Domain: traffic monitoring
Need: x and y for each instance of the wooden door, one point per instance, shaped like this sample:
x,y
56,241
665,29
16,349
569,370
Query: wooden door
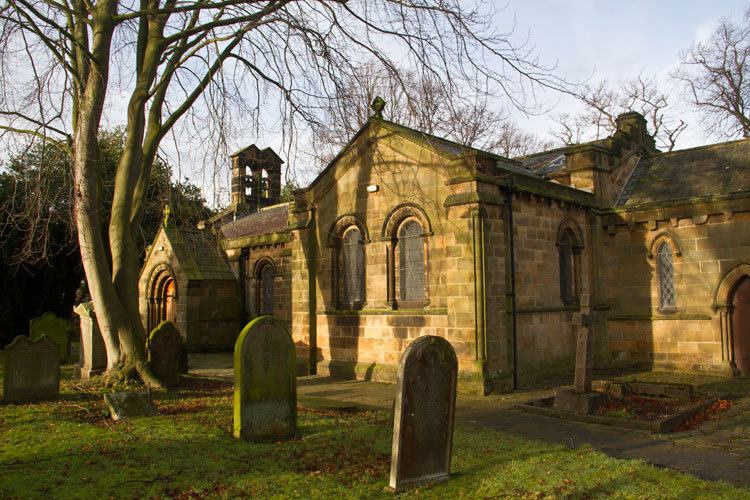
x,y
170,302
741,325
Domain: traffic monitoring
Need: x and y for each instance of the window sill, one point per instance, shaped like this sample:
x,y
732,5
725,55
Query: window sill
x,y
667,310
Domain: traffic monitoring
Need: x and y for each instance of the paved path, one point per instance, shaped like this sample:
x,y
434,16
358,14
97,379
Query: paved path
x,y
718,450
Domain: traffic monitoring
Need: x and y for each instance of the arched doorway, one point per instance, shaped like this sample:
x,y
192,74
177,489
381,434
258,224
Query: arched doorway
x,y
740,317
162,298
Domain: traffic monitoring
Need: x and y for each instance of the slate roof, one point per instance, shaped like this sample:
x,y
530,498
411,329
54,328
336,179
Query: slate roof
x,y
267,220
545,163
199,254
704,172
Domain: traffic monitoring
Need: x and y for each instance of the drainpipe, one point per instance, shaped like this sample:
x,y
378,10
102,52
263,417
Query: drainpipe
x,y
477,223
513,286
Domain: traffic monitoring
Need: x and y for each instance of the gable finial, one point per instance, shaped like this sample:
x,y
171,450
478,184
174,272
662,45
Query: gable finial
x,y
377,105
168,224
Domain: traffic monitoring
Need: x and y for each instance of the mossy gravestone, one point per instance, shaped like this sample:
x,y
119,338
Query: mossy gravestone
x,y
55,328
32,370
423,415
165,348
265,382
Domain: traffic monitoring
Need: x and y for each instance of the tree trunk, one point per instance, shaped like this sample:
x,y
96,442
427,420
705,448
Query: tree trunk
x,y
116,306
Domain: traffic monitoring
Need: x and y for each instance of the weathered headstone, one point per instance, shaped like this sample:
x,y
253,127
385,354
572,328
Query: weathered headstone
x,y
165,349
124,405
423,414
92,358
55,328
32,370
581,399
265,382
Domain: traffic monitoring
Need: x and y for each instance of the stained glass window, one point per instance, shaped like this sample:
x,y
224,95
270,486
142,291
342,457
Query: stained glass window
x,y
567,292
353,266
411,262
665,265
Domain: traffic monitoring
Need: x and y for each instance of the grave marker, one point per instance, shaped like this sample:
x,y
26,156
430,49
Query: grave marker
x,y
581,399
585,320
92,358
55,328
124,405
265,382
165,349
424,410
32,370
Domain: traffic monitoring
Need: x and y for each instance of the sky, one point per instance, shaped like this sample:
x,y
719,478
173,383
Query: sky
x,y
583,39
617,40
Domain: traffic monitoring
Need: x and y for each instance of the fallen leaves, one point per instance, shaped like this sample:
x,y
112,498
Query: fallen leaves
x,y
711,413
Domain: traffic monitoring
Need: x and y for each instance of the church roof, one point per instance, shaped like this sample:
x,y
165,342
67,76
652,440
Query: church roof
x,y
198,254
720,170
266,220
546,162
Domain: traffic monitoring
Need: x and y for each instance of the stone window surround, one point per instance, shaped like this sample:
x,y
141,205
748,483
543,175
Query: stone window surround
x,y
674,244
570,228
256,279
340,227
394,221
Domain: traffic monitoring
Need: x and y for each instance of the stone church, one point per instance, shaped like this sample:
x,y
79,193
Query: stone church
x,y
405,234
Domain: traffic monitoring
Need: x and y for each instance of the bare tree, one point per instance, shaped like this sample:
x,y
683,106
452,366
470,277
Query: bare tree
x,y
716,76
605,102
66,62
419,102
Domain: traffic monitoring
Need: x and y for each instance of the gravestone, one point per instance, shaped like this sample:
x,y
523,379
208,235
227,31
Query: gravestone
x,y
265,382
32,370
581,399
55,328
124,405
92,357
423,415
165,350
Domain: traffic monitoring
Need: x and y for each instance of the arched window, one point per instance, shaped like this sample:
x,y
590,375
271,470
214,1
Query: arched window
x,y
665,269
266,292
567,269
352,268
411,262
407,229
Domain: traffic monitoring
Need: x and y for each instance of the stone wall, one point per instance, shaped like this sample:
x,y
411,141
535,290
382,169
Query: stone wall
x,y
707,241
215,318
368,342
546,340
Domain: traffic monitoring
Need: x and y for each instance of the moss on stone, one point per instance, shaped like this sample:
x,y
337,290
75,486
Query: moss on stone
x,y
257,240
473,197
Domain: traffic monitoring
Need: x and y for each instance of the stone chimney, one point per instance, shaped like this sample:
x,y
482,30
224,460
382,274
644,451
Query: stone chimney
x,y
631,127
256,179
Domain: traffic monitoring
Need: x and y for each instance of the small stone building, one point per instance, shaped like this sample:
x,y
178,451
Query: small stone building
x,y
406,234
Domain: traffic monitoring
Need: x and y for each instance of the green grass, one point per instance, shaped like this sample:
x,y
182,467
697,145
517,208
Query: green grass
x,y
68,448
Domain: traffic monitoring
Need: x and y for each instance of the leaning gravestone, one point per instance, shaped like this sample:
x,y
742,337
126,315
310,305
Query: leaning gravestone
x,y
423,415
55,328
124,405
265,382
32,370
92,358
165,349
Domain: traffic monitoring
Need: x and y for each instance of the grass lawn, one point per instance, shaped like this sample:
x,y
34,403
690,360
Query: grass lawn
x,y
69,448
